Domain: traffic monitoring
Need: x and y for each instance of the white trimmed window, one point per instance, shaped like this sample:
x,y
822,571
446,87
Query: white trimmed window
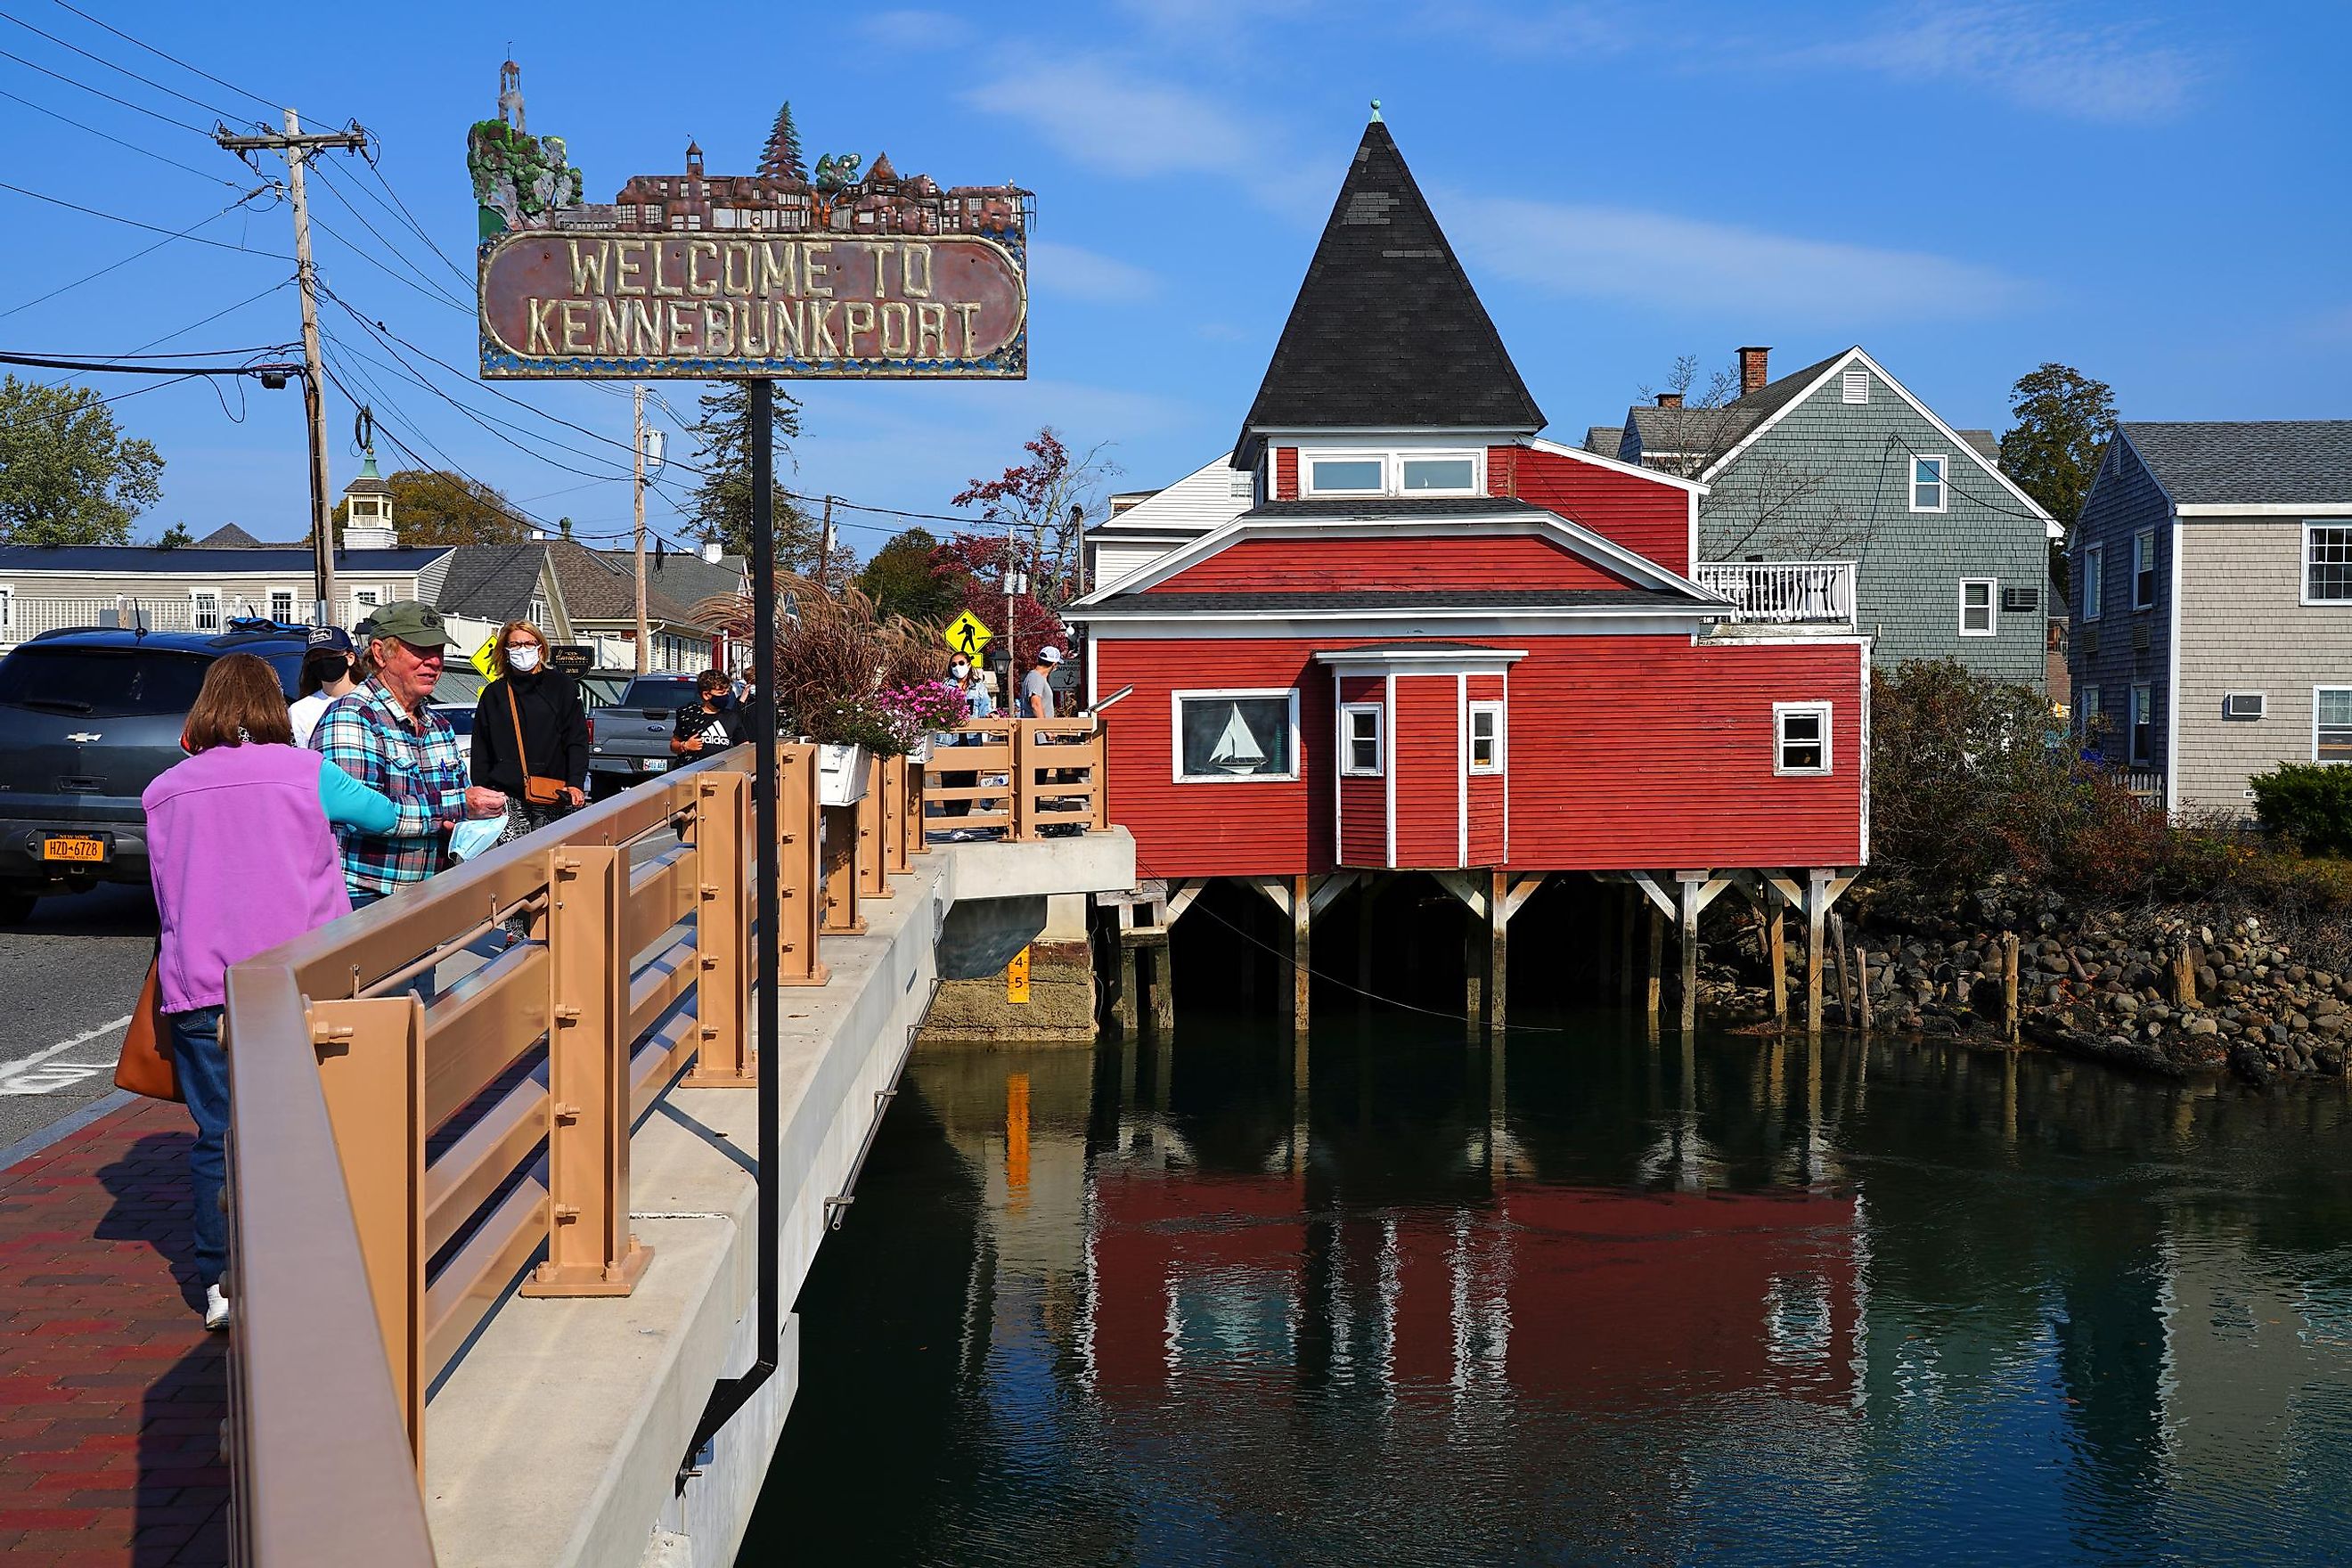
x,y
204,609
2143,725
1857,386
8,612
1486,737
2087,704
2144,569
2331,724
1801,738
1361,753
2095,580
1928,482
1353,475
1441,476
1980,606
2328,563
1228,737
281,605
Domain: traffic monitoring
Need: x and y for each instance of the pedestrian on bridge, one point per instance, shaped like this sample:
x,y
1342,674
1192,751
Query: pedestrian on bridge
x,y
386,735
241,847
530,734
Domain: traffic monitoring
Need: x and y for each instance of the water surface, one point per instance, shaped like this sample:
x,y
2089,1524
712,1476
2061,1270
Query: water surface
x,y
1591,1299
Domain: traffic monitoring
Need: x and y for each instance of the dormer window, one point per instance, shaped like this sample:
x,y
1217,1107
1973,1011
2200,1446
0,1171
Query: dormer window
x,y
1438,473
1451,475
1344,477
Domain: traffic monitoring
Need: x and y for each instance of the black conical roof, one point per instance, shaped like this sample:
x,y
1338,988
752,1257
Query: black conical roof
x,y
1386,331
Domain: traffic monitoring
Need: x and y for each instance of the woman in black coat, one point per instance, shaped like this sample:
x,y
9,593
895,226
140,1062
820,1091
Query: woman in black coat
x,y
545,708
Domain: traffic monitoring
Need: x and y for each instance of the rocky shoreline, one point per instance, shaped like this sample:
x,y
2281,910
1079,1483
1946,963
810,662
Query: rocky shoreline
x,y
2178,992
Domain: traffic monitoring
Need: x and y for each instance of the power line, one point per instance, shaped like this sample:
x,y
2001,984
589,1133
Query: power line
x,y
183,234
376,168
54,361
217,315
431,292
119,142
173,60
153,228
125,70
101,92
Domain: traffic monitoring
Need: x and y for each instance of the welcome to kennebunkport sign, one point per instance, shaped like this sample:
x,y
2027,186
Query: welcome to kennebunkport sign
x,y
702,307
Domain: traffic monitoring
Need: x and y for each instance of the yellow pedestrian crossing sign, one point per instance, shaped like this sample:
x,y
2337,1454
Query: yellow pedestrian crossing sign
x,y
486,657
967,635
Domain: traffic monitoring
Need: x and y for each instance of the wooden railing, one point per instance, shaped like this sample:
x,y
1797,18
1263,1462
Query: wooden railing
x,y
396,1165
1783,592
399,1160
1021,777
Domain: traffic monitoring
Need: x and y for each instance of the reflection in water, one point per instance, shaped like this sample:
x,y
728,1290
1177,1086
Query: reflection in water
x,y
1612,1299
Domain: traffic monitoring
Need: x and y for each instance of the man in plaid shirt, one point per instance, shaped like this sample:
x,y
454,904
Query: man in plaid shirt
x,y
386,735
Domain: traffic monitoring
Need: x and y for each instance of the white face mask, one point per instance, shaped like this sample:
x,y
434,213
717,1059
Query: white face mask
x,y
525,660
960,670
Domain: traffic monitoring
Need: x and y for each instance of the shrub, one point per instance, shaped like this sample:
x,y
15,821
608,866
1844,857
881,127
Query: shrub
x,y
2308,806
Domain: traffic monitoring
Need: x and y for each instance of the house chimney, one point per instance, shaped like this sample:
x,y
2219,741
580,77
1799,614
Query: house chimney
x,y
1670,400
1752,373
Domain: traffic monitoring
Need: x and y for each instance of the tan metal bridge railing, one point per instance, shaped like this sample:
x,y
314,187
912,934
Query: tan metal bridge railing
x,y
395,1165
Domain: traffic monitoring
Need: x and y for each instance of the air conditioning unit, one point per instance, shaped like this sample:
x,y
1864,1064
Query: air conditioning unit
x,y
2242,705
2087,638
2139,637
2023,599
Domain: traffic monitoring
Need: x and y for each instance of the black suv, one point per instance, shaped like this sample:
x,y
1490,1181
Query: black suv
x,y
87,718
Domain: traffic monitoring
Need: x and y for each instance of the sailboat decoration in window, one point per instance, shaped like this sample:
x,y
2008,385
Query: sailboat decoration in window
x,y
1237,751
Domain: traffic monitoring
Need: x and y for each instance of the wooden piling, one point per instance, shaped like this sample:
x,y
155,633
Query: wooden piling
x,y
1301,906
1123,1005
1776,940
1844,972
1499,929
2184,975
1816,911
2008,985
1689,936
1862,975
1654,973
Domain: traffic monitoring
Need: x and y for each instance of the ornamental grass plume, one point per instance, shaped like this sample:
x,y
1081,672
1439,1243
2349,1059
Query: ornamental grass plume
x,y
845,676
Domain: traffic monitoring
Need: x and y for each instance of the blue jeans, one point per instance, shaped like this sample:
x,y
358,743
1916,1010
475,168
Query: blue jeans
x,y
203,1083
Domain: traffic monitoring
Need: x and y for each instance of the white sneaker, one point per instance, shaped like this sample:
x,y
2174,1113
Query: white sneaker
x,y
216,1308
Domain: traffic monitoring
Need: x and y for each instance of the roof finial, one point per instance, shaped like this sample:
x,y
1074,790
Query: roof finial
x,y
1376,111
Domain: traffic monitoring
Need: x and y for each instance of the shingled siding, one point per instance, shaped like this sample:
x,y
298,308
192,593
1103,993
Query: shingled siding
x,y
2243,627
1909,564
2125,497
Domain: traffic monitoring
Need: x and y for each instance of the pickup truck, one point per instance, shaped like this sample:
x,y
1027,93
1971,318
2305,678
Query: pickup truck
x,y
629,740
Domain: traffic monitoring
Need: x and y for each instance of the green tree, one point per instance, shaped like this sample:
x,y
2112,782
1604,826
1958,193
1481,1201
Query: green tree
x,y
68,474
433,506
176,537
721,507
782,160
901,581
2063,420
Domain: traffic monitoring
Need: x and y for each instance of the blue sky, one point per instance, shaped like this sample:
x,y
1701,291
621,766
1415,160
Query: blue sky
x,y
2154,194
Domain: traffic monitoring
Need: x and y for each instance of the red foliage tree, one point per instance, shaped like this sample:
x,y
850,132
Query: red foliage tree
x,y
972,565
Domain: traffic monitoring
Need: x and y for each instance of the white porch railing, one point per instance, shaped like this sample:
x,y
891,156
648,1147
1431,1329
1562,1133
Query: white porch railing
x,y
24,616
1783,592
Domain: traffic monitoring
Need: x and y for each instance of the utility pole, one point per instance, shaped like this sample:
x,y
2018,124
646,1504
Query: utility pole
x,y
638,488
298,148
824,543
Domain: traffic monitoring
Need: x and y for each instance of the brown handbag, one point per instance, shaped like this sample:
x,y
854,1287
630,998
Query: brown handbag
x,y
147,1065
537,788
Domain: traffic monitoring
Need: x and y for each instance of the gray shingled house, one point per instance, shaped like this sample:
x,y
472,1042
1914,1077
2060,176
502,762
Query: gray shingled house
x,y
1835,486
2213,631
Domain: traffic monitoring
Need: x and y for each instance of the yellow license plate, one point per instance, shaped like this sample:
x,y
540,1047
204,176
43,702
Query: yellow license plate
x,y
73,849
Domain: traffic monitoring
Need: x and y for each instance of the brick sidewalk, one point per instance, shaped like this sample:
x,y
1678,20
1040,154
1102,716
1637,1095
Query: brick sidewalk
x,y
112,1393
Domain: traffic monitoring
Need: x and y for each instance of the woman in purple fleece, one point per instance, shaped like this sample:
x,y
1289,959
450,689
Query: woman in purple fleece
x,y
242,858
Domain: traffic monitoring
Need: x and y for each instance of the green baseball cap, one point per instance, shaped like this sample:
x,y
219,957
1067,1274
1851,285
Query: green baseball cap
x,y
412,621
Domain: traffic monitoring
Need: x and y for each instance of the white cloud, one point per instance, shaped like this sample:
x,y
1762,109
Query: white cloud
x,y
1099,114
1689,264
911,29
1085,274
2090,70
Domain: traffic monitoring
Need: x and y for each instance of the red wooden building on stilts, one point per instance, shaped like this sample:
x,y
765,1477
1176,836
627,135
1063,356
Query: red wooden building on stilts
x,y
1439,643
